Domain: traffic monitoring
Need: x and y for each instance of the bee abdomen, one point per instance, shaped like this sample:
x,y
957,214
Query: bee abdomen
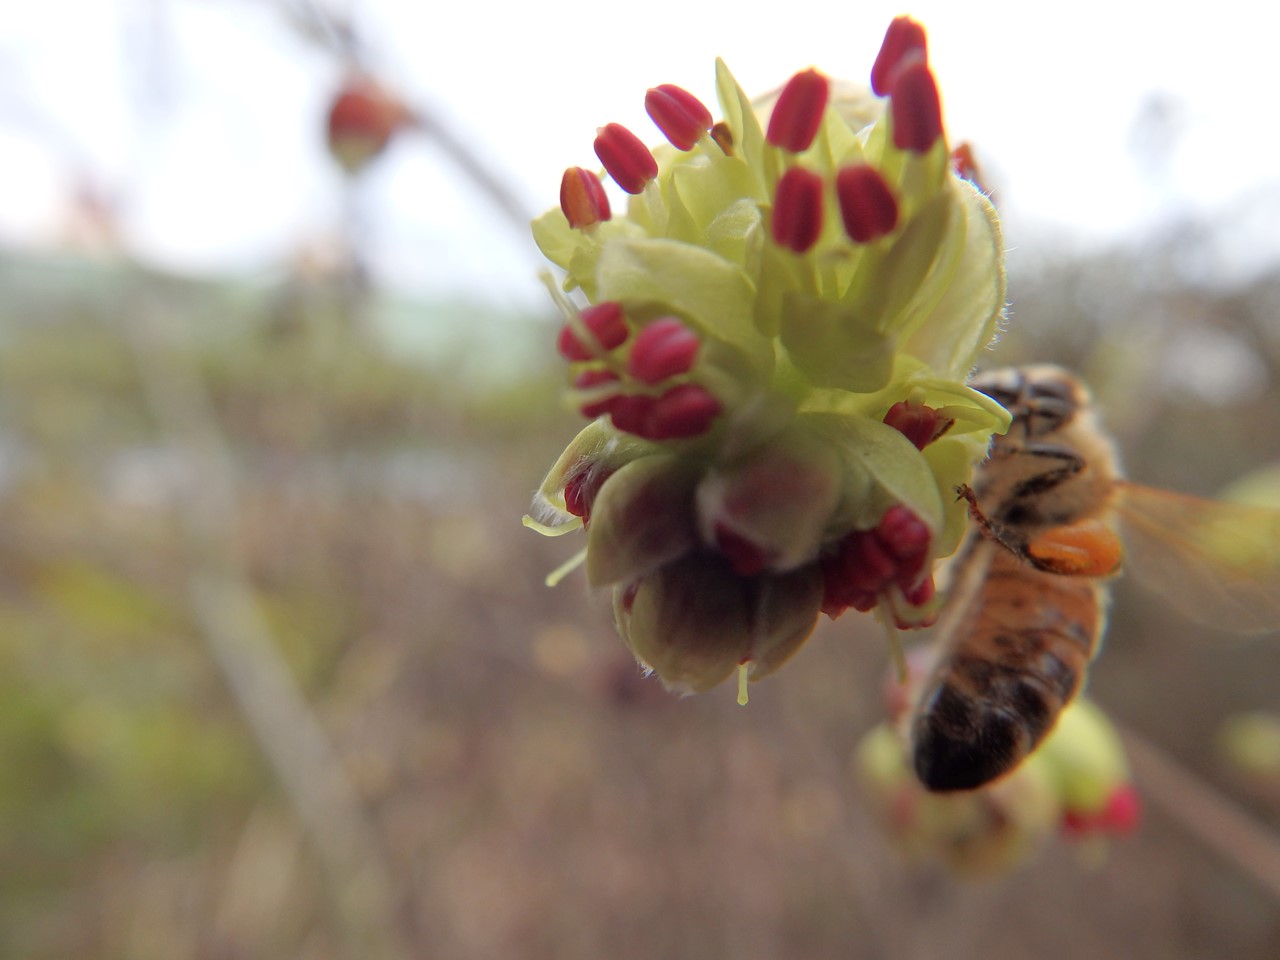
x,y
985,718
1001,690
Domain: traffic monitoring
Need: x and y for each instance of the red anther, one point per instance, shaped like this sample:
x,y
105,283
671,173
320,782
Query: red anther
x,y
918,423
626,158
797,210
680,115
921,593
798,113
915,110
856,573
665,348
746,558
628,597
965,165
867,204
607,326
580,491
904,43
582,198
589,380
723,137
1123,811
683,411
902,533
630,412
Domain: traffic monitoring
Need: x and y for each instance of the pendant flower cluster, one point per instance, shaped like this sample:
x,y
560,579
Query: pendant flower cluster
x,y
771,345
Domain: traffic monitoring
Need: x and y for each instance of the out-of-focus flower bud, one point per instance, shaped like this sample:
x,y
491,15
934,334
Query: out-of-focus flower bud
x,y
1090,773
363,117
978,833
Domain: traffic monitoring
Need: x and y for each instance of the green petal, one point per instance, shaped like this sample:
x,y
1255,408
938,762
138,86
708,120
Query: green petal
x,y
966,318
711,293
834,346
898,468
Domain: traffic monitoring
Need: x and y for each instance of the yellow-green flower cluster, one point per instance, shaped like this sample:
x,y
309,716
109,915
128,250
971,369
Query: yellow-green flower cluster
x,y
772,345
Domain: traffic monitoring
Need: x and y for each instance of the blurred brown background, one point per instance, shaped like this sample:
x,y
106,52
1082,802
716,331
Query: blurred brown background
x,y
279,676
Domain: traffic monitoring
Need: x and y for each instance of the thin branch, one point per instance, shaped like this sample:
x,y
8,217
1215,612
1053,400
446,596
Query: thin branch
x,y
240,641
1205,813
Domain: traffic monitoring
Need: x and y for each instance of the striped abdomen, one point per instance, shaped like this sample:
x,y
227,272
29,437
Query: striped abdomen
x,y
1016,657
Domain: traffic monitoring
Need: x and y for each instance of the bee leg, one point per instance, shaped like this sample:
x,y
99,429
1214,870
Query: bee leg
x,y
986,526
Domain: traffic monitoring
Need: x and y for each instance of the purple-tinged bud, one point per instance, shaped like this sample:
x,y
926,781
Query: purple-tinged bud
x,y
798,113
626,158
904,43
915,110
665,348
590,380
607,326
868,207
797,210
918,423
580,490
582,198
681,412
680,115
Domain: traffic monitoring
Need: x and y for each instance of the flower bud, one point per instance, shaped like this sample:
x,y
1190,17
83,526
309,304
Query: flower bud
x,y
680,115
362,119
798,113
978,833
694,621
770,509
626,158
642,518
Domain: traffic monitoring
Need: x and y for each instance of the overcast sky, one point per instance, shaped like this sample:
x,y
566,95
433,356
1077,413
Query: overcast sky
x,y
203,117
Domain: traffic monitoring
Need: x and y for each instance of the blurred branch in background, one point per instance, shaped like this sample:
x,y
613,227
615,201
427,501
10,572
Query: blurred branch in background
x,y
234,628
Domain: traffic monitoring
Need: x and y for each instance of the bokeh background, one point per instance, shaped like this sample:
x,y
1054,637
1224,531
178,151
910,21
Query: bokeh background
x,y
279,676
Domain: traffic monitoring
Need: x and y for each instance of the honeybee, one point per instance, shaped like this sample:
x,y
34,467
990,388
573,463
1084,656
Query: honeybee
x,y
1027,602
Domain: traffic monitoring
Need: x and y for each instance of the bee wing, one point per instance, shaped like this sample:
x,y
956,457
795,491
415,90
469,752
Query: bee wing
x,y
1217,563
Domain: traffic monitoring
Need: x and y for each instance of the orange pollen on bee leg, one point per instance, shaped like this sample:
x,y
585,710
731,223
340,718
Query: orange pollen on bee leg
x,y
1086,549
